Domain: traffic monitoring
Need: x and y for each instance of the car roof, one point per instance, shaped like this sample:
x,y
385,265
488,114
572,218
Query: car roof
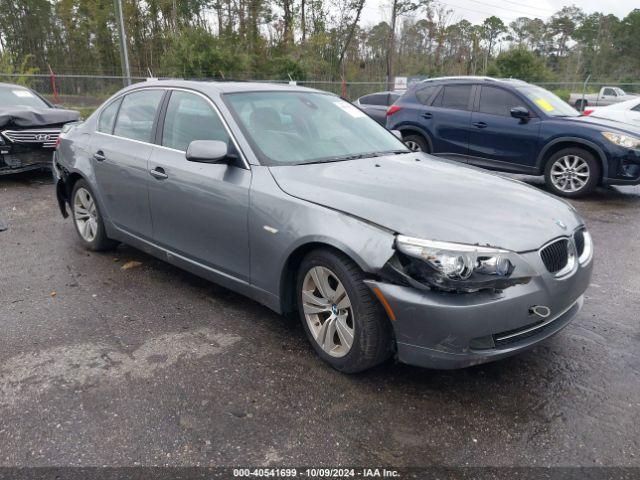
x,y
384,92
12,85
221,87
471,78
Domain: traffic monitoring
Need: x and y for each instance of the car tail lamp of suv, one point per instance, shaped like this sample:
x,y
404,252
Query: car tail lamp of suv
x,y
393,109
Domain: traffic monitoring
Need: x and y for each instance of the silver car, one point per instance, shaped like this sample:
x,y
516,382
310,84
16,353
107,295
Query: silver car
x,y
299,200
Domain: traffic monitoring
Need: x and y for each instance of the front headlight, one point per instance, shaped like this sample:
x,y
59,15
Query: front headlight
x,y
626,141
455,266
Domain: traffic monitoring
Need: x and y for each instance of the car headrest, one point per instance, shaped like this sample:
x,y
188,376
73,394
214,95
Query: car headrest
x,y
265,118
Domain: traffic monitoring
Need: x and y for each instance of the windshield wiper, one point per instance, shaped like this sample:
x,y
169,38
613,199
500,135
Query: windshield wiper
x,y
355,156
358,156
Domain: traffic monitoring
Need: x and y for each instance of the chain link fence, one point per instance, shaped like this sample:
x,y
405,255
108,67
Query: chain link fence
x,y
87,92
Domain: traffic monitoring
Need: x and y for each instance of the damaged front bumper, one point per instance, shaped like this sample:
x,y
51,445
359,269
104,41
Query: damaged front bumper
x,y
17,157
447,330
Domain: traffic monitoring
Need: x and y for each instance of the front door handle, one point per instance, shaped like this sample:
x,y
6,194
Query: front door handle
x,y
480,124
158,173
99,156
426,115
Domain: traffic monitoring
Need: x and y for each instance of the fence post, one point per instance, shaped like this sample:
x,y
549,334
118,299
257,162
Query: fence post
x,y
54,90
584,91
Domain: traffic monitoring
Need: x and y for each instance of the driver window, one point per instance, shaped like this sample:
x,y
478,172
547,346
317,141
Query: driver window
x,y
190,117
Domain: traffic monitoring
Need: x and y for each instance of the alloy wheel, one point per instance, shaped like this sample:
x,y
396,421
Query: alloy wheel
x,y
413,146
328,311
570,173
85,214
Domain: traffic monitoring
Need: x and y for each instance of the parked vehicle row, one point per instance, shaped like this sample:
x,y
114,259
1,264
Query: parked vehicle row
x,y
513,126
300,201
29,129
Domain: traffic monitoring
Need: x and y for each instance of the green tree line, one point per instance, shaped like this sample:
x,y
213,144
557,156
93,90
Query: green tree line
x,y
313,39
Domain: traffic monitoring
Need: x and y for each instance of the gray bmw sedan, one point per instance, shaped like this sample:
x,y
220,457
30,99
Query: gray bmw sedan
x,y
299,200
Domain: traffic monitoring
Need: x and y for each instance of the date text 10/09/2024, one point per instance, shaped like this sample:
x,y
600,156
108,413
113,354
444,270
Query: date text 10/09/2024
x,y
316,472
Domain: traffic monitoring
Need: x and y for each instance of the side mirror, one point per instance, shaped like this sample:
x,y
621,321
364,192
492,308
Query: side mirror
x,y
207,151
520,113
397,133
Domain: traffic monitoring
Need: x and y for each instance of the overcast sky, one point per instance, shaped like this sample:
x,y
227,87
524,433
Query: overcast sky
x,y
477,10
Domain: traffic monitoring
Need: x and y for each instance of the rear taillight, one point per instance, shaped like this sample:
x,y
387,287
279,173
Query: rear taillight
x,y
587,112
393,109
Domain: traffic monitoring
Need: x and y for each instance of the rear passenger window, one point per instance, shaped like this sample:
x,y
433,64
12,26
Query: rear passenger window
x,y
136,115
424,94
456,97
108,116
190,117
376,99
496,101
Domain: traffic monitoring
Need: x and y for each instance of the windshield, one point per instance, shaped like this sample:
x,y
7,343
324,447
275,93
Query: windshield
x,y
620,92
20,97
292,128
548,102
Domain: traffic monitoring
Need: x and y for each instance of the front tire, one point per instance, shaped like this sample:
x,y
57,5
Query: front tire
x,y
344,323
572,172
581,105
88,220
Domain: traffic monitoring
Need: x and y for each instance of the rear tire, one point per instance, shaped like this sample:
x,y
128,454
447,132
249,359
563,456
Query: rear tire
x,y
342,305
416,143
87,219
572,172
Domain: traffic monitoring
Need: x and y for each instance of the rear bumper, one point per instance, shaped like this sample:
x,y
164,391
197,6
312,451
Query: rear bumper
x,y
452,330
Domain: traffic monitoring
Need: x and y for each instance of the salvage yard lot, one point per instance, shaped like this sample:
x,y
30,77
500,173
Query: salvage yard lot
x,y
147,364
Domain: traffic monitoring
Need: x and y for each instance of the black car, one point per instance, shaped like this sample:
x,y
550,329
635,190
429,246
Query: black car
x,y
29,129
513,126
376,104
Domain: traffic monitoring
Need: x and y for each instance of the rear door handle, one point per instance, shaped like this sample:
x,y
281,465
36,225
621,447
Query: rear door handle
x,y
480,124
99,156
158,173
426,115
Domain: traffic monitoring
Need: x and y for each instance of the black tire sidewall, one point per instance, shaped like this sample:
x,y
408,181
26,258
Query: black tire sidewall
x,y
594,172
354,361
101,241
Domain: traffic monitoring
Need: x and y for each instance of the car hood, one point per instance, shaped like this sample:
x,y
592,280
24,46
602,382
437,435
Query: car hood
x,y
602,123
26,117
422,196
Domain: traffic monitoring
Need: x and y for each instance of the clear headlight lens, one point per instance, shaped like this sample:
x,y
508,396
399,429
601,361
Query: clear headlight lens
x,y
457,261
626,141
456,266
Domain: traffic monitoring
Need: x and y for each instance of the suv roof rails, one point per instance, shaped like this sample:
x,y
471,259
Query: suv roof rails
x,y
475,78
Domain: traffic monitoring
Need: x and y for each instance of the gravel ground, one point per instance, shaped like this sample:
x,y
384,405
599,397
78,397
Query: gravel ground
x,y
149,365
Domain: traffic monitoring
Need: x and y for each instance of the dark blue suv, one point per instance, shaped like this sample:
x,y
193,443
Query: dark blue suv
x,y
513,126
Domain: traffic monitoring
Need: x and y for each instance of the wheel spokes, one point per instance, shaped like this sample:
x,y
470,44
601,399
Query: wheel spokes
x,y
327,310
312,304
320,277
